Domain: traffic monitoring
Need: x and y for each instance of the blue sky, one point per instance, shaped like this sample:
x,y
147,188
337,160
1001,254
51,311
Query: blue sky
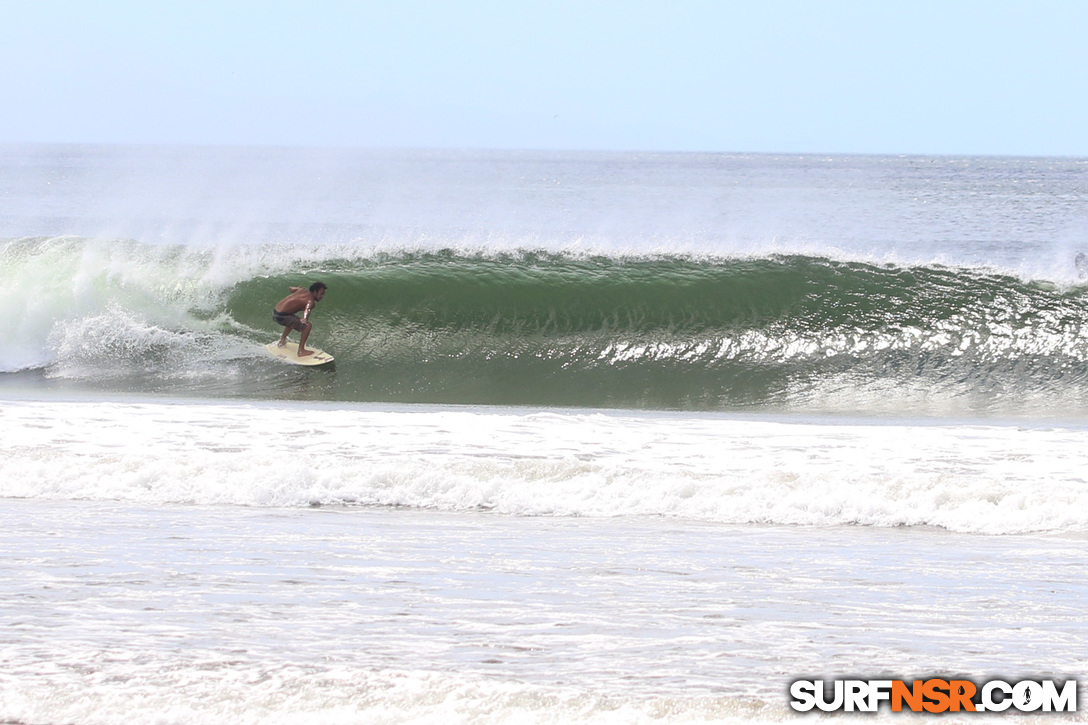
x,y
766,76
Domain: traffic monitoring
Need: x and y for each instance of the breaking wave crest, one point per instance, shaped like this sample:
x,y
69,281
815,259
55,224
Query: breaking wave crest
x,y
541,328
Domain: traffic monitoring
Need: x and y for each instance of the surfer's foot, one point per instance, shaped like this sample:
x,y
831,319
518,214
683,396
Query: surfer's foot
x,y
304,353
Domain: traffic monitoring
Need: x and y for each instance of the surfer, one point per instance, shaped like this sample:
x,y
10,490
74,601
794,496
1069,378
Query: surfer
x,y
286,313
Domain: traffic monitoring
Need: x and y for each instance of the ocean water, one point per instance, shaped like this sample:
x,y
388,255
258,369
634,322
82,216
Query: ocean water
x,y
608,438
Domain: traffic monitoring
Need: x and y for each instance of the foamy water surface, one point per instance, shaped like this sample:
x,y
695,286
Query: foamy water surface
x,y
984,478
628,438
116,611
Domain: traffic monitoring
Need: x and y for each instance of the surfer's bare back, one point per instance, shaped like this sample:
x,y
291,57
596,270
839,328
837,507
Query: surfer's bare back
x,y
286,313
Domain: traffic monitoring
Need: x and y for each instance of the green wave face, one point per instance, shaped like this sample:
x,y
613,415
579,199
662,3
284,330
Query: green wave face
x,y
687,333
781,333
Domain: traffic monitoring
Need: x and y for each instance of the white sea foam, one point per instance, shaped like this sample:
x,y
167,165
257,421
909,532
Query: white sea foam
x,y
225,691
120,612
79,305
60,291
992,479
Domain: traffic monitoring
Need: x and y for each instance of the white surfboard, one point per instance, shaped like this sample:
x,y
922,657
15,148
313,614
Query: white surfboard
x,y
289,353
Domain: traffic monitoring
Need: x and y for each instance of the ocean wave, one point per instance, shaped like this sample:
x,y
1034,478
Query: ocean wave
x,y
545,328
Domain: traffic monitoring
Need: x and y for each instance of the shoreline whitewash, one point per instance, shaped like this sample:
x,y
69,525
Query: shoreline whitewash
x,y
163,560
979,478
122,611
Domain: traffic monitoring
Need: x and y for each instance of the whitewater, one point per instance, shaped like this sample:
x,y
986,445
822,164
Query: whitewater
x,y
609,437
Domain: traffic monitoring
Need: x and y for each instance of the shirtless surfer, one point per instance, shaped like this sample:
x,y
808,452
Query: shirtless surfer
x,y
286,313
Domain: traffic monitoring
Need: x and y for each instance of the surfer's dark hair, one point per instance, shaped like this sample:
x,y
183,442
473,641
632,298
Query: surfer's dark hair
x,y
318,286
